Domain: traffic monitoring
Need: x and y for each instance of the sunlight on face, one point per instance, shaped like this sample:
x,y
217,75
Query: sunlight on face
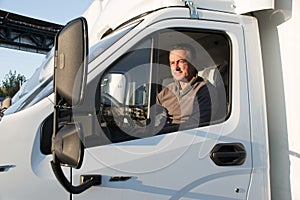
x,y
179,63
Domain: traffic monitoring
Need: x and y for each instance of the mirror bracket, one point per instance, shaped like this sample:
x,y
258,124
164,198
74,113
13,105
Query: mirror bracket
x,y
56,167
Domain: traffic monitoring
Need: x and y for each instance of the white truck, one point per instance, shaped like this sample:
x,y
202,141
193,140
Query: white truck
x,y
99,130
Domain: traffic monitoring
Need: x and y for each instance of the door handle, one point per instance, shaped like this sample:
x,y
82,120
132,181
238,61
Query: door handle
x,y
227,154
5,168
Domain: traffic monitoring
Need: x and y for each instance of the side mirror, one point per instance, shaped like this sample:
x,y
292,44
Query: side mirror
x,y
68,147
70,72
70,64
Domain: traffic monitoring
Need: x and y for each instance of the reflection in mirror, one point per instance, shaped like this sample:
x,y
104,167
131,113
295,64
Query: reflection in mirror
x,y
114,86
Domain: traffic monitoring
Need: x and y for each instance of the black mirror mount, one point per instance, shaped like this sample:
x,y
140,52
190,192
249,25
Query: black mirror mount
x,y
67,185
69,151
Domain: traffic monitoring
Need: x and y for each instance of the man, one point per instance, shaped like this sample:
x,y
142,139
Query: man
x,y
187,99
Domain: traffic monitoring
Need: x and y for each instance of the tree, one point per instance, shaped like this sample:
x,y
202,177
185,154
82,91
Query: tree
x,y
11,84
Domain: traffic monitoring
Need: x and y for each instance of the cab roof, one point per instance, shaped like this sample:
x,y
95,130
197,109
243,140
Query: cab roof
x,y
105,14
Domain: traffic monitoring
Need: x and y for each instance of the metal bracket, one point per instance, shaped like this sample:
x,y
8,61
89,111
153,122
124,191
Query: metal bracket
x,y
193,9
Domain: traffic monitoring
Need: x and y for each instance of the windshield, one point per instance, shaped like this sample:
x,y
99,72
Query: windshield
x,y
38,93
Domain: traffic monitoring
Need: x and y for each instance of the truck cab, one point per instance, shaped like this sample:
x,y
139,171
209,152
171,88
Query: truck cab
x,y
123,141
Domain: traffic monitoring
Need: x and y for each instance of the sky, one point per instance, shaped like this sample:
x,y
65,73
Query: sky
x,y
55,11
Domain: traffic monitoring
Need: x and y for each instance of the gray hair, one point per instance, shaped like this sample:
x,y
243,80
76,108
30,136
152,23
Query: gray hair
x,y
186,47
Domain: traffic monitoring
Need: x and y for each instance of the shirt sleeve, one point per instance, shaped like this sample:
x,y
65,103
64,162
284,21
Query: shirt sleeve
x,y
204,103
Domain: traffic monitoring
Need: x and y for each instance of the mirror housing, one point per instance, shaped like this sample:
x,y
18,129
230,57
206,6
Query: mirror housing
x,y
70,63
68,147
70,72
71,50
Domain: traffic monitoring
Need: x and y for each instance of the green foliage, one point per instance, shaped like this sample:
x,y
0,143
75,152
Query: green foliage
x,y
11,84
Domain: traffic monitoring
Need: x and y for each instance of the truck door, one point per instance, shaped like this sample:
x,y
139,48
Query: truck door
x,y
141,157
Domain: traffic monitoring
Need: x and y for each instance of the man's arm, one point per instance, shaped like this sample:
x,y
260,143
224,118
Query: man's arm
x,y
205,105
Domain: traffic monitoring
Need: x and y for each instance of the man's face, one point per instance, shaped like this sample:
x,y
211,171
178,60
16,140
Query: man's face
x,y
179,65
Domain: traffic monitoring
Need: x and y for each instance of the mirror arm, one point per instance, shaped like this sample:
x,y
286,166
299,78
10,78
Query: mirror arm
x,y
56,167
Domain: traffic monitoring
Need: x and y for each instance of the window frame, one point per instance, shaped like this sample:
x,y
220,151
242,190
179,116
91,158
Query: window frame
x,y
154,60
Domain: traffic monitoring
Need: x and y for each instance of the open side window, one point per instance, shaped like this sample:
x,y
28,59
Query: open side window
x,y
128,89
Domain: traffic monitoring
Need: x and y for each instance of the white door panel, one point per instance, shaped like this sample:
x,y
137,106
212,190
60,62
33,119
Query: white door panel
x,y
178,165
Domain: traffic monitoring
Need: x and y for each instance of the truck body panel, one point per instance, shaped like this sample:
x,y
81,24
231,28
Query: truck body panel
x,y
31,171
277,29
